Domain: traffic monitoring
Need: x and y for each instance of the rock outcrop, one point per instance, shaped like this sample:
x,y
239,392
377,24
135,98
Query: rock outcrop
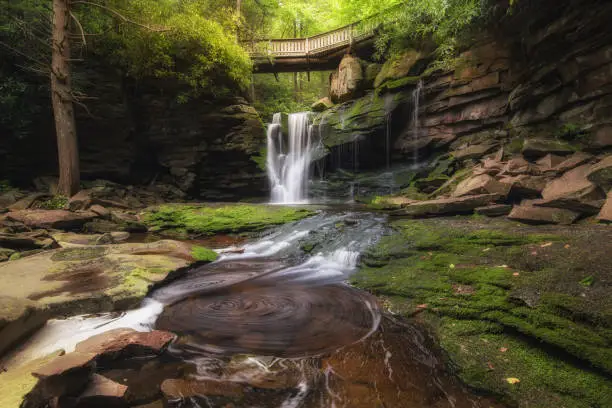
x,y
347,81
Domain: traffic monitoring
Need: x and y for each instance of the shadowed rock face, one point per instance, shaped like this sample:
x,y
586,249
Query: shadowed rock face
x,y
289,321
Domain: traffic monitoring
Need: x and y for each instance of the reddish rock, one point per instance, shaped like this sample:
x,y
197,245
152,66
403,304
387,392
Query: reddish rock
x,y
601,173
549,162
101,211
605,215
603,137
525,186
530,214
28,201
102,392
55,219
516,166
535,148
572,162
346,82
125,343
446,206
179,388
66,363
495,210
573,185
482,184
473,152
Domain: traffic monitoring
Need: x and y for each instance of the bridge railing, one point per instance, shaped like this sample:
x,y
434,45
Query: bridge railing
x,y
314,45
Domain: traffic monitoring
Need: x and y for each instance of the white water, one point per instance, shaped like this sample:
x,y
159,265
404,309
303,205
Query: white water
x,y
289,162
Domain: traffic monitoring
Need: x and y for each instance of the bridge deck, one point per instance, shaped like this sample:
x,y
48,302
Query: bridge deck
x,y
319,52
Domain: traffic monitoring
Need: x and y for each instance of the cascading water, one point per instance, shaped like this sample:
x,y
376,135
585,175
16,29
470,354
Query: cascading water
x,y
289,163
416,101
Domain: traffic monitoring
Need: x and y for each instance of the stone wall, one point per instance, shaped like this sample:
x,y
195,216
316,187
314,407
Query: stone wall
x,y
138,133
549,76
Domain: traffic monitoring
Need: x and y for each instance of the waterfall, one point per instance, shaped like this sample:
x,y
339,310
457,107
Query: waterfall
x,y
389,106
416,101
289,163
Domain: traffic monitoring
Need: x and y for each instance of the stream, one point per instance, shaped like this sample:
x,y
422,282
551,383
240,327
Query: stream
x,y
273,326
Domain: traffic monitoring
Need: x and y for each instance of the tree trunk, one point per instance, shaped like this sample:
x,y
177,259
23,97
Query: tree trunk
x,y
61,96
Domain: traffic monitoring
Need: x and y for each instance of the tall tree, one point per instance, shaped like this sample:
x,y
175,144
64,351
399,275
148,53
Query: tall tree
x,y
62,100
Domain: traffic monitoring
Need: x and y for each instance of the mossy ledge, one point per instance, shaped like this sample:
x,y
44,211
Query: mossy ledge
x,y
185,221
505,305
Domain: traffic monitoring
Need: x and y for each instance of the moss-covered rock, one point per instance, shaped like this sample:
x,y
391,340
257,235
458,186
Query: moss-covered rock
x,y
85,279
399,66
200,220
505,304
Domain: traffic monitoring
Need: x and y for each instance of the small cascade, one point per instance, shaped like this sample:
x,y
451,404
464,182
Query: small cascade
x,y
416,101
289,162
388,117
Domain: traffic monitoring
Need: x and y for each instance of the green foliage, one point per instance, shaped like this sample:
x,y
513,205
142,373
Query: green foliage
x,y
272,95
210,220
203,254
194,42
571,132
56,203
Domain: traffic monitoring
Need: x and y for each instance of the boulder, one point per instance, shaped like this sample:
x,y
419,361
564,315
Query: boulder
x,y
495,210
482,184
473,152
601,173
447,206
574,185
63,376
24,241
102,392
101,211
525,186
516,166
347,80
125,343
536,148
10,197
322,105
400,66
605,215
589,207
530,214
54,219
549,162
572,162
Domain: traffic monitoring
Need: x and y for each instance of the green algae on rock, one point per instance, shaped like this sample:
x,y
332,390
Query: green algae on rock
x,y
201,220
85,279
482,289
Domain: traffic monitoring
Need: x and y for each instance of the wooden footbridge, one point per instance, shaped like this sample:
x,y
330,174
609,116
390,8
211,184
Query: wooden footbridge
x,y
317,53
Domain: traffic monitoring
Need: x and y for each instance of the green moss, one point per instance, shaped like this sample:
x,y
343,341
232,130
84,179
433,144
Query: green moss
x,y
397,84
79,253
515,145
56,203
260,158
15,256
476,302
210,220
203,254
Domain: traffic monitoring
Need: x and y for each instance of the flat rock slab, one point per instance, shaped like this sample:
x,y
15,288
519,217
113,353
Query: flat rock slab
x,y
126,343
102,392
496,210
81,280
531,214
445,206
573,185
64,364
53,219
482,184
